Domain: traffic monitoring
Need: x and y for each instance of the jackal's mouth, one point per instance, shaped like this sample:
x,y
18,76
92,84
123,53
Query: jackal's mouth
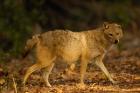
x,y
116,41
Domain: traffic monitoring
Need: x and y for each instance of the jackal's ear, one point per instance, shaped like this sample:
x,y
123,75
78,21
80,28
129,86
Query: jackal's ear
x,y
105,25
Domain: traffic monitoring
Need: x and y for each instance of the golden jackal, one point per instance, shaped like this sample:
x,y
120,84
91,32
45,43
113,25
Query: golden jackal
x,y
71,46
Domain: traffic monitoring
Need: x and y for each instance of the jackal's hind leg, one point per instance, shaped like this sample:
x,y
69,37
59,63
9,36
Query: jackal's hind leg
x,y
70,70
46,73
30,71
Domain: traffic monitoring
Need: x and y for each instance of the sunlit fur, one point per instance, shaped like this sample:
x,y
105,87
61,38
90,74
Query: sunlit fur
x,y
69,47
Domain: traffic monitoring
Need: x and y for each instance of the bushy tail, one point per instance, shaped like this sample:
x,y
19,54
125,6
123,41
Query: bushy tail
x,y
30,44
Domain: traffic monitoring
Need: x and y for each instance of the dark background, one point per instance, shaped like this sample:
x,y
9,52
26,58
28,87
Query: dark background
x,y
20,19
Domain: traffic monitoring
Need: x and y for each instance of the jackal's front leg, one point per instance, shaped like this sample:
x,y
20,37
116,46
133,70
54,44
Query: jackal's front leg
x,y
82,72
100,64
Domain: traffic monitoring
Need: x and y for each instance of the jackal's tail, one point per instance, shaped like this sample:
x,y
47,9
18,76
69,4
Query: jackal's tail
x,y
30,44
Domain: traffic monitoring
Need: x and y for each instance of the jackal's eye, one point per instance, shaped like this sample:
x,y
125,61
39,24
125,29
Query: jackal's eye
x,y
117,33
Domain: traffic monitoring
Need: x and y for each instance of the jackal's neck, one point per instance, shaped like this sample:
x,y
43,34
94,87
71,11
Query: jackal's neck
x,y
105,42
97,38
101,39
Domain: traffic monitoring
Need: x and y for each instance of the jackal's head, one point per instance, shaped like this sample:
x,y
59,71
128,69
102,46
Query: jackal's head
x,y
113,32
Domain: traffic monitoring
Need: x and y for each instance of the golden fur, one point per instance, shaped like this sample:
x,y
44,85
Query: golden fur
x,y
71,46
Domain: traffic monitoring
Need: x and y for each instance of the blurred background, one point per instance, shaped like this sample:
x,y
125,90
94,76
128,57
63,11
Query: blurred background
x,y
20,19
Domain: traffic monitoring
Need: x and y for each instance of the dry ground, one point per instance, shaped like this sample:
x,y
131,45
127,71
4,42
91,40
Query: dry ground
x,y
122,63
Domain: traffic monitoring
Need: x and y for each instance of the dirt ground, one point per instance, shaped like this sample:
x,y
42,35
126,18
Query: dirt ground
x,y
123,63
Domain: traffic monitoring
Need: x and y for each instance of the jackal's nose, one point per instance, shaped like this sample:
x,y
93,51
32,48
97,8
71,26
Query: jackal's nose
x,y
116,41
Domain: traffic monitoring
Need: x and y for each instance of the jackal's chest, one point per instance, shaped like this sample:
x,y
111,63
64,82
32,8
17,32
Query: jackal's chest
x,y
94,52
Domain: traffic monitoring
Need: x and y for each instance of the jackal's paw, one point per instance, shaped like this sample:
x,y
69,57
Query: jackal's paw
x,y
64,76
48,85
23,83
114,82
81,85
